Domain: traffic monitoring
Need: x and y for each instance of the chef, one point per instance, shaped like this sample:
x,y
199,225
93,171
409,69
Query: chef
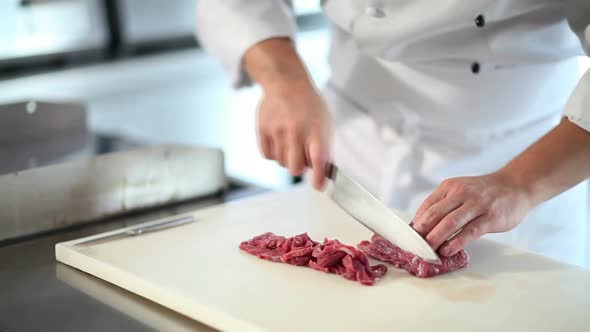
x,y
469,113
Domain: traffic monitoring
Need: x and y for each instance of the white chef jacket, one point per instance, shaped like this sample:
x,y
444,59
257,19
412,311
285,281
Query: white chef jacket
x,y
421,91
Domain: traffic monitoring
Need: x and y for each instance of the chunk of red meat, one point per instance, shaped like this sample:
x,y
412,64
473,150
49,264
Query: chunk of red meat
x,y
383,250
331,256
334,257
267,246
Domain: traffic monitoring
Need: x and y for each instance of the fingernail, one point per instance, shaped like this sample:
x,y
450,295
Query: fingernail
x,y
445,250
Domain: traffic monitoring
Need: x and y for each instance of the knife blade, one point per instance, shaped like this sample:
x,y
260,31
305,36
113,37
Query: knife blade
x,y
374,215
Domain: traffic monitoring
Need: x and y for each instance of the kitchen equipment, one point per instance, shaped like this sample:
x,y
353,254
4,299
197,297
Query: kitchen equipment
x,y
370,212
38,133
198,270
139,230
83,190
32,120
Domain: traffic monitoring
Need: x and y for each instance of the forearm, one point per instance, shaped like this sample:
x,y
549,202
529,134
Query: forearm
x,y
555,163
274,62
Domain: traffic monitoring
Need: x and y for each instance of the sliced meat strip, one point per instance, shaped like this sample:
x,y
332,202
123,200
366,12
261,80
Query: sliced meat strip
x,y
383,250
331,256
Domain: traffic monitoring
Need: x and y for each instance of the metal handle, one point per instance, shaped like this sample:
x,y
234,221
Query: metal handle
x,y
331,171
138,230
159,226
28,3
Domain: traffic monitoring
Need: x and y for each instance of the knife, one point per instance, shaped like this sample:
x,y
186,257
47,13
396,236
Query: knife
x,y
138,230
375,216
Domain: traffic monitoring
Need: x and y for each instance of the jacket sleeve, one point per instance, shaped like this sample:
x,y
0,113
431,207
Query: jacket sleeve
x,y
228,28
578,107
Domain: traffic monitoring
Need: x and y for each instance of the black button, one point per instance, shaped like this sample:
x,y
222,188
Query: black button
x,y
475,67
480,21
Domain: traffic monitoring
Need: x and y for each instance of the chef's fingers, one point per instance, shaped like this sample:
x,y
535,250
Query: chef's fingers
x,y
265,145
438,194
472,231
451,224
431,217
279,147
318,156
295,154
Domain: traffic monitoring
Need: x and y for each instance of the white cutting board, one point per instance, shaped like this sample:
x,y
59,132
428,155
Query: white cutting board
x,y
197,270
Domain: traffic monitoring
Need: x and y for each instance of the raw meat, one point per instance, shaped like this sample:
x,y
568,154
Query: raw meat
x,y
383,250
335,257
331,256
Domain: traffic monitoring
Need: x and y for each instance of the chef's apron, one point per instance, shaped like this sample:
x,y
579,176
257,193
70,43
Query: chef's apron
x,y
400,129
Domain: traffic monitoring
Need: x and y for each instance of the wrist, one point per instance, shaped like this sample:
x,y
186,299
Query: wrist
x,y
520,184
289,87
275,65
285,77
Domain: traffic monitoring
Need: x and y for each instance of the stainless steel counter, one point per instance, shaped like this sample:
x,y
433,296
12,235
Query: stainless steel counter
x,y
39,294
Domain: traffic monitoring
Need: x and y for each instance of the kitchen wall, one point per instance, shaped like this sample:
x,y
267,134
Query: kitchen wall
x,y
180,96
170,94
33,28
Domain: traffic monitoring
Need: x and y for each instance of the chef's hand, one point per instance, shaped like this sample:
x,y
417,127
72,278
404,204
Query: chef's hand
x,y
293,123
499,201
471,206
293,129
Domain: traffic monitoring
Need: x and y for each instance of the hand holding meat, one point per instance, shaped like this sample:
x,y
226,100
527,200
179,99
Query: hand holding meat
x,y
470,207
